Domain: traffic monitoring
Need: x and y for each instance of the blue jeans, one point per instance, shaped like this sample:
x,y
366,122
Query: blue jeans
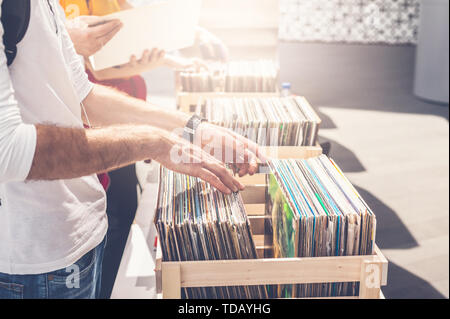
x,y
81,280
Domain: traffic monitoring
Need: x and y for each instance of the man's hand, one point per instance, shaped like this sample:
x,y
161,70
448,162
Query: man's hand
x,y
90,33
181,156
109,107
66,153
230,148
149,60
180,63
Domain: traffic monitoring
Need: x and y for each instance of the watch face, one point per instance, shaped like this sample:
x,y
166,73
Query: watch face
x,y
191,127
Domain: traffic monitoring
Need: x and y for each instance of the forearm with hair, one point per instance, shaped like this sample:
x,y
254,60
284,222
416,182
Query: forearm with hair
x,y
65,153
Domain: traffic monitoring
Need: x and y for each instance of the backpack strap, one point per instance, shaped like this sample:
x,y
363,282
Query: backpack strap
x,y
15,19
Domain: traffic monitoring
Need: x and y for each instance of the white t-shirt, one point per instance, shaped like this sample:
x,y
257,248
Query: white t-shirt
x,y
44,225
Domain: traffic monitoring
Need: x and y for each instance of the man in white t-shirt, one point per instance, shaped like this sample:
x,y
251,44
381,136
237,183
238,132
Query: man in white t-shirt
x,y
52,206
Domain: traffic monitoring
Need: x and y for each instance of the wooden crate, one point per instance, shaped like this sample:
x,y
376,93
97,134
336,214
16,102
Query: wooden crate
x,y
187,102
370,271
296,152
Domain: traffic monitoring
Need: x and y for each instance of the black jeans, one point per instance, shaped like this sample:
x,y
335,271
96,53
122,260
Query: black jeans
x,y
121,210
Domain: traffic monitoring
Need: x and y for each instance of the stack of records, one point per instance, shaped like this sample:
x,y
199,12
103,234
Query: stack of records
x,y
197,222
234,76
287,121
211,80
317,212
251,76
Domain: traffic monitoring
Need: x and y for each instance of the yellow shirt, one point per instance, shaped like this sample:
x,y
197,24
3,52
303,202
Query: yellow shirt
x,y
75,8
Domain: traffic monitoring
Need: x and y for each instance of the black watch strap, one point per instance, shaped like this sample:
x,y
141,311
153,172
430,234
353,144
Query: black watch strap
x,y
191,127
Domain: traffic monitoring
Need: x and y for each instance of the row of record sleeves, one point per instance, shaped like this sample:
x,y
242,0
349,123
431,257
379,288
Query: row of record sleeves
x,y
196,222
315,211
233,76
273,121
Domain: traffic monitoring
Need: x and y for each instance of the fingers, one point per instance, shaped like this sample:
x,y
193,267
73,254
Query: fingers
x,y
199,64
190,159
100,29
212,179
133,61
231,148
151,56
249,166
251,146
242,155
108,36
223,174
244,160
146,57
215,167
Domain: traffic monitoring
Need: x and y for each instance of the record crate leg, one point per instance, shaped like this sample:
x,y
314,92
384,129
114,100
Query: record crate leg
x,y
171,281
370,282
374,274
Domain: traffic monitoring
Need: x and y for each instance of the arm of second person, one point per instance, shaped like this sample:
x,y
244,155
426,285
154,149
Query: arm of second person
x,y
149,60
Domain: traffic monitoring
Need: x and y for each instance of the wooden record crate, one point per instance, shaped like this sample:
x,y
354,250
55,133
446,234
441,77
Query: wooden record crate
x,y
370,270
287,152
188,101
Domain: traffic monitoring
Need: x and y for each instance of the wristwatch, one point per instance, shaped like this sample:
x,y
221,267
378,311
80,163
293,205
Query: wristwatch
x,y
191,127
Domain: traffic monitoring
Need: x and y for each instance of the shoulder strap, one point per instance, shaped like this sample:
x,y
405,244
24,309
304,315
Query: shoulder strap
x,y
15,19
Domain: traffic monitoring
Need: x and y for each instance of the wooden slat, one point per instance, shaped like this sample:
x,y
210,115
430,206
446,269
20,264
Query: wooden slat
x,y
384,266
370,279
257,179
260,252
158,264
271,271
295,152
254,194
258,224
265,251
262,240
171,280
255,209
